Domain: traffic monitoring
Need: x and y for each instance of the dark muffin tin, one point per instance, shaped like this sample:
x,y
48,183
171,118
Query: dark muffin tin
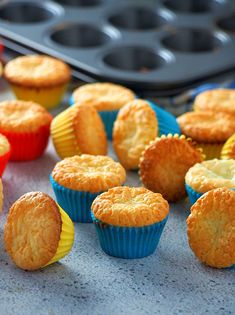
x,y
147,45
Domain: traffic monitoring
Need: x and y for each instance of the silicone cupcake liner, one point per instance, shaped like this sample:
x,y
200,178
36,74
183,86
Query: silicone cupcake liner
x,y
228,149
77,204
66,238
128,242
211,151
3,161
27,146
192,194
166,121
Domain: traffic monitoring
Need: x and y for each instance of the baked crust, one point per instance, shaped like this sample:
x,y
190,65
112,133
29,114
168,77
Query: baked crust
x,y
4,145
228,150
37,71
164,163
103,96
207,126
23,116
32,230
218,100
1,196
136,125
130,206
89,173
211,227
211,174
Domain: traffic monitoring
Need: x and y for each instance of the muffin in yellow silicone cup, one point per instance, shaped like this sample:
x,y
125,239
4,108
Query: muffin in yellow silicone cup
x,y
37,232
228,150
38,78
79,130
209,129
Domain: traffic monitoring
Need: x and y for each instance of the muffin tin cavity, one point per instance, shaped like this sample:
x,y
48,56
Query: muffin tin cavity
x,y
194,6
192,41
80,3
227,23
79,35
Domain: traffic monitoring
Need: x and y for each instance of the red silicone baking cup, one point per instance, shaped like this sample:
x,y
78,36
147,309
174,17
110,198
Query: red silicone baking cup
x,y
28,145
3,161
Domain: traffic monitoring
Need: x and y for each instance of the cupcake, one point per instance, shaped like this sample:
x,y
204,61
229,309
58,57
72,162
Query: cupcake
x,y
77,130
129,221
211,227
38,78
1,196
228,149
27,127
209,129
78,180
5,152
208,175
217,100
37,232
138,122
164,163
107,98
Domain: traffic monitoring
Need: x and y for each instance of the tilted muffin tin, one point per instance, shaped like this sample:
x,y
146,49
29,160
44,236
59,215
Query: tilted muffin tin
x,y
149,45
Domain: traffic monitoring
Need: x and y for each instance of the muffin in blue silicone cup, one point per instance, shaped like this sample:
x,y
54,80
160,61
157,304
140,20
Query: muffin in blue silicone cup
x,y
208,175
129,221
107,98
78,180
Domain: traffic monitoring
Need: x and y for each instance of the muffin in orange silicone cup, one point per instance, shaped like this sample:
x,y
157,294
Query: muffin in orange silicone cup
x,y
5,152
38,78
27,127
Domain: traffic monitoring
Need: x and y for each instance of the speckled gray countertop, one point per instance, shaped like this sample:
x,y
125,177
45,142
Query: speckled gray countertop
x,y
87,281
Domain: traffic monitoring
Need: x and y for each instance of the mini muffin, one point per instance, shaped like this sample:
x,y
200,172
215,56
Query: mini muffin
x,y
164,163
211,228
129,221
107,98
218,100
27,127
228,149
209,129
5,152
77,130
138,122
38,78
208,175
79,179
37,232
1,196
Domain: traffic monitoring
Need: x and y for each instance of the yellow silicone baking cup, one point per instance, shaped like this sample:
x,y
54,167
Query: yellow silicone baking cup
x,y
228,150
66,238
47,97
211,151
63,134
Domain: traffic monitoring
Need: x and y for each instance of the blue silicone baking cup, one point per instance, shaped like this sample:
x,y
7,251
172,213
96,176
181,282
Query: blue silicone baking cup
x,y
108,118
77,204
192,194
167,123
128,242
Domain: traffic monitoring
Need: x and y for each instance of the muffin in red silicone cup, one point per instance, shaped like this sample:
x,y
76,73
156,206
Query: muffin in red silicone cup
x,y
27,127
5,152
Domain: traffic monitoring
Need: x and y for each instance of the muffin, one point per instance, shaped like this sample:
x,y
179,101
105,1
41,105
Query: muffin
x,y
228,149
37,232
38,78
208,175
27,127
217,100
164,163
5,152
209,129
79,179
107,98
129,221
1,196
78,130
138,122
211,227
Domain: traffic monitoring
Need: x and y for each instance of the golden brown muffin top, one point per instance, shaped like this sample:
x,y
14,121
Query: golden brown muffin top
x,y
207,126
32,230
4,145
164,163
23,116
228,150
211,227
211,174
89,173
37,71
218,100
1,196
130,206
103,96
136,125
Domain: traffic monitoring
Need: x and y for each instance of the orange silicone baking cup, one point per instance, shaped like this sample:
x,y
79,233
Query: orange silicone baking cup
x,y
26,146
3,161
